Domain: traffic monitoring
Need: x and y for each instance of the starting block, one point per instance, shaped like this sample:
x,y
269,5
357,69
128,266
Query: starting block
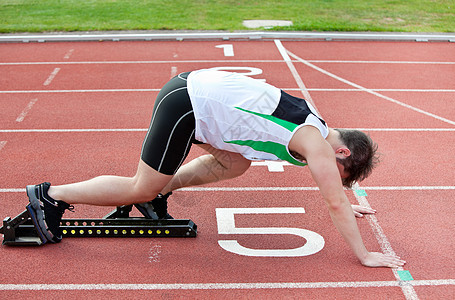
x,y
20,230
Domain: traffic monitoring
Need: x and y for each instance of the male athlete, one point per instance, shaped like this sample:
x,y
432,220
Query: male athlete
x,y
236,119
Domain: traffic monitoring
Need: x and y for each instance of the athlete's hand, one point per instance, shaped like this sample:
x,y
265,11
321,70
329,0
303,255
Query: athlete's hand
x,y
359,210
376,259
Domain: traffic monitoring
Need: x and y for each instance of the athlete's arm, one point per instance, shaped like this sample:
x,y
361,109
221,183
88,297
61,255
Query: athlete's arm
x,y
320,157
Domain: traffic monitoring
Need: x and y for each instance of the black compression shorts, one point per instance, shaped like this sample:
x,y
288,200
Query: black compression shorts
x,y
171,131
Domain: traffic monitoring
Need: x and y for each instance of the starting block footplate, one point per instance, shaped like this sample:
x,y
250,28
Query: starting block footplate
x,y
20,231
128,227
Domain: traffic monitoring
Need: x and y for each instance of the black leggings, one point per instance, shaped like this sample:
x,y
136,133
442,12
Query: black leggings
x,y
171,131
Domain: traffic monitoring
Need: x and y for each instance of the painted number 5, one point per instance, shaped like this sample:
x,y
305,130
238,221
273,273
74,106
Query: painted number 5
x,y
226,225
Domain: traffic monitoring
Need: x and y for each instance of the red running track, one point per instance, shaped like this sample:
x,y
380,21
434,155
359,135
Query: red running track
x,y
72,111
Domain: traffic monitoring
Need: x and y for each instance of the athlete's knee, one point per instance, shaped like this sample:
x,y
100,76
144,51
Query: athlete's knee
x,y
147,183
231,164
235,164
149,191
143,193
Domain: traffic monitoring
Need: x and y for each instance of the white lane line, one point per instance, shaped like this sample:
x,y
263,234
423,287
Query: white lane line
x,y
73,130
381,90
80,91
302,188
207,189
221,61
295,74
13,190
26,110
382,62
51,76
407,188
384,243
224,286
371,91
137,62
145,129
405,129
283,189
284,89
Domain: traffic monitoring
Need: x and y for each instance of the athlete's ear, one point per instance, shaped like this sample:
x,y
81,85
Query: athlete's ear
x,y
343,150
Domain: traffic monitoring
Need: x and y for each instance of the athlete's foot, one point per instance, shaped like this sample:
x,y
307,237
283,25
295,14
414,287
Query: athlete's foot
x,y
46,213
155,209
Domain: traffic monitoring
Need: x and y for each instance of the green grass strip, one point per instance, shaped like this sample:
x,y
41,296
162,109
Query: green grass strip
x,y
308,15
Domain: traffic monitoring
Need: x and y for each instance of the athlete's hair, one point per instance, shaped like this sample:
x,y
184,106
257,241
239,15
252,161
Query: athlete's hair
x,y
363,156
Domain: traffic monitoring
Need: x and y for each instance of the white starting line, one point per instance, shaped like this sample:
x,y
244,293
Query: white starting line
x,y
225,286
282,189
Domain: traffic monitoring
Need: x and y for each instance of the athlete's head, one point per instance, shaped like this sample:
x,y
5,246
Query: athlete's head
x,y
363,156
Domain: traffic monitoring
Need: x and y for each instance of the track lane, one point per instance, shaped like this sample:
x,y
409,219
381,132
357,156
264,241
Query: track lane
x,y
76,161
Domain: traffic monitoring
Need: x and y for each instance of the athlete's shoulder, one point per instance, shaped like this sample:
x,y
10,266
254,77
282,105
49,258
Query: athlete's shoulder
x,y
209,74
306,139
214,75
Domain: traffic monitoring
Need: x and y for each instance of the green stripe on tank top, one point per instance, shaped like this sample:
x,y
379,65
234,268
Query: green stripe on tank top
x,y
283,123
269,147
274,148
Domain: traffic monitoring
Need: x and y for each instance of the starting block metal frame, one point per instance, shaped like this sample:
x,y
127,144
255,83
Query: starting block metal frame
x,y
20,230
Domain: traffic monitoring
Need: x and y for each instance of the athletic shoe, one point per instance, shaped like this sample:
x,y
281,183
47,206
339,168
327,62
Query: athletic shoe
x,y
46,213
155,209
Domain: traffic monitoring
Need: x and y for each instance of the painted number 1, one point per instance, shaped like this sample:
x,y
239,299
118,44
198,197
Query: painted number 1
x,y
228,49
226,225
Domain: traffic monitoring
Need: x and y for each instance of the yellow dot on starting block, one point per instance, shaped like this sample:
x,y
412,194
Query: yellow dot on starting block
x,y
81,231
98,231
115,231
132,231
141,231
166,231
150,231
90,231
106,231
124,231
73,231
158,232
65,231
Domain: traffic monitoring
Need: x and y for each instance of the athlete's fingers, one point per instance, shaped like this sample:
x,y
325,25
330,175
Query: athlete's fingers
x,y
358,215
377,259
394,261
360,210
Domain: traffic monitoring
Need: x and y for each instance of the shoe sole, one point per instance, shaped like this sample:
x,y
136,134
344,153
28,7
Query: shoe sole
x,y
146,213
33,216
38,215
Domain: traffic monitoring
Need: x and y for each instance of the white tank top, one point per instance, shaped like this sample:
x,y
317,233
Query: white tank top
x,y
239,114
